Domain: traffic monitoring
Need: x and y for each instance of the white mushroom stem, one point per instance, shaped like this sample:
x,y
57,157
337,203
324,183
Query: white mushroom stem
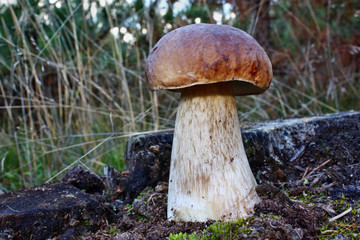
x,y
210,177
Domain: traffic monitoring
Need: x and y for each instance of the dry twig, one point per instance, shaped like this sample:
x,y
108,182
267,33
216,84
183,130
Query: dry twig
x,y
340,215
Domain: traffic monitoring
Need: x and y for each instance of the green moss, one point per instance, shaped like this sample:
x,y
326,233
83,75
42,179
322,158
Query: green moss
x,y
86,223
348,226
219,230
142,218
143,193
348,230
181,236
112,230
185,236
305,197
276,217
354,211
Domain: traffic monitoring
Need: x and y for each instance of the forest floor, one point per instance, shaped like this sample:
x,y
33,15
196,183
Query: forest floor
x,y
324,205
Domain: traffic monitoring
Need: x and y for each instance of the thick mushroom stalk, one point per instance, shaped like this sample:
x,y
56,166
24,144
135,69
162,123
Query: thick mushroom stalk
x,y
210,177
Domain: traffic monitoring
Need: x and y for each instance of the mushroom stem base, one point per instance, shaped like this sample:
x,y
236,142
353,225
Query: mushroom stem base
x,y
210,177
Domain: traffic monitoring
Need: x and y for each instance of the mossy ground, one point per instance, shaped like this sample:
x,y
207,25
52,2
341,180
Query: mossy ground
x,y
290,211
319,207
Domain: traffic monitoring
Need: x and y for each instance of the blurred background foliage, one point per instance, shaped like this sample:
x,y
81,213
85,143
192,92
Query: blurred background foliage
x,y
72,86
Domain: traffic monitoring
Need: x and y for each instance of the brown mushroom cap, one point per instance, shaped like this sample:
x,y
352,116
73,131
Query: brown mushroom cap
x,y
208,53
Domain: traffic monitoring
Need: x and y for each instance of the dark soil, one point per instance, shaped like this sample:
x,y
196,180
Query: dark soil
x,y
293,210
322,204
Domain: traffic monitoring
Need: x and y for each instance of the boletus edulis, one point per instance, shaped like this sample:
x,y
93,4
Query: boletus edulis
x,y
210,177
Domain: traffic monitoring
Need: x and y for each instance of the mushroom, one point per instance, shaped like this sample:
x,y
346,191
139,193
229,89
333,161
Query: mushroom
x,y
210,177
